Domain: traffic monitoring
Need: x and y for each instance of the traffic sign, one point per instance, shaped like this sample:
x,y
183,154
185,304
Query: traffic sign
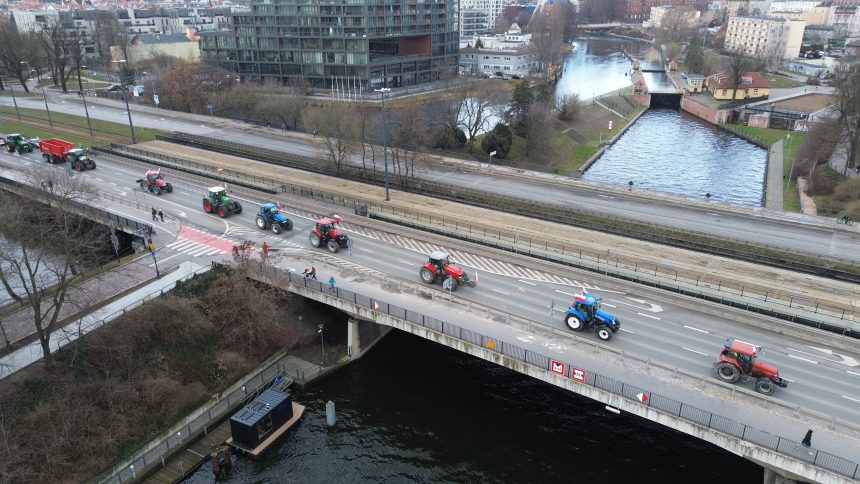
x,y
556,367
210,106
155,99
374,305
643,397
577,374
448,283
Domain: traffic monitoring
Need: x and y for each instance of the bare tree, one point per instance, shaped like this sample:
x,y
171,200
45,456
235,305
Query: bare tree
x,y
59,44
481,100
48,246
547,37
285,105
338,129
408,137
676,25
569,106
13,49
736,65
503,24
847,106
535,131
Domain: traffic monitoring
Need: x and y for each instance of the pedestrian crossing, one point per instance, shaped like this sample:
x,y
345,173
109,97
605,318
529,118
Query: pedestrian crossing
x,y
197,243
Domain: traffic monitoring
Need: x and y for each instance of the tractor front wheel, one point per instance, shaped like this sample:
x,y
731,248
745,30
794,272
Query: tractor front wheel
x,y
261,222
333,246
728,372
207,206
237,207
276,228
573,322
427,276
168,188
764,386
604,333
288,225
222,212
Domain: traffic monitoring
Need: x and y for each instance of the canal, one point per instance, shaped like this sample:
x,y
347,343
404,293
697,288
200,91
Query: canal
x,y
665,150
415,411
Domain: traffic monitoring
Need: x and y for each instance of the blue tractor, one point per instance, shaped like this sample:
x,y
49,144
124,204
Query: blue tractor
x,y
585,313
270,217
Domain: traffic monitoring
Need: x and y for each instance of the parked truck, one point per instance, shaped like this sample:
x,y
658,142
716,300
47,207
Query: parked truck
x,y
55,150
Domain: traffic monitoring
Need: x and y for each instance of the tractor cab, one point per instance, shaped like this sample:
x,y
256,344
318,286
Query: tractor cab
x,y
269,209
744,354
78,154
153,175
440,260
584,312
217,193
327,226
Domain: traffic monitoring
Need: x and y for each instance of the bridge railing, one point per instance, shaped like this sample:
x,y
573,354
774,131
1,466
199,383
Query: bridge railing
x,y
782,445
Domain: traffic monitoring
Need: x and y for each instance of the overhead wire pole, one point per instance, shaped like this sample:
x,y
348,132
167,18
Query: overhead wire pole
x,y
383,90
14,100
125,91
84,98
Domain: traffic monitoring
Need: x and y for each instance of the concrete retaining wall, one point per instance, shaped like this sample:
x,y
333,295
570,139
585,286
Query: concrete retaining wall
x,y
708,113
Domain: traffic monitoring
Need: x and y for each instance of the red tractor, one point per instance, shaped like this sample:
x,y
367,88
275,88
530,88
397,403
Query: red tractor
x,y
325,232
738,359
155,182
440,268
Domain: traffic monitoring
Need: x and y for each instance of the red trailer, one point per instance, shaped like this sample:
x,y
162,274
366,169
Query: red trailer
x,y
55,150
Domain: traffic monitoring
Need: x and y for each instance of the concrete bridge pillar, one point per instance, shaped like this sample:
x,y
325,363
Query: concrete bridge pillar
x,y
362,335
772,477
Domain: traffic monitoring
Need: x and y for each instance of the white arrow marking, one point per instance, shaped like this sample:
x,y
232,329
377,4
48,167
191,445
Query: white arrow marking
x,y
181,214
654,308
845,360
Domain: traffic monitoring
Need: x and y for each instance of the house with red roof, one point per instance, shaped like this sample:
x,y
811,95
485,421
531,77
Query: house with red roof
x,y
751,86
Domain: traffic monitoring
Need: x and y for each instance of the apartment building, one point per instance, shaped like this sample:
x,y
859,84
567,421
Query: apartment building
x,y
473,23
492,8
373,43
845,20
172,20
768,38
818,15
511,61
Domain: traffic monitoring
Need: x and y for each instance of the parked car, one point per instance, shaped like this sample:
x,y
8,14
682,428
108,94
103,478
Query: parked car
x,y
34,143
115,88
683,75
515,76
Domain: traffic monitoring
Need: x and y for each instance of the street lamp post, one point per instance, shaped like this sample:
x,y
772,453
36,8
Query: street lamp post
x,y
125,91
14,100
45,97
322,343
383,90
791,171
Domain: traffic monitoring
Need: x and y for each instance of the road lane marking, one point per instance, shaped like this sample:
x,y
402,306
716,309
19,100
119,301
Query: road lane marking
x,y
114,184
366,250
526,282
99,179
405,262
565,293
501,292
696,329
627,331
803,359
185,193
649,316
654,308
856,374
694,351
852,399
844,360
606,304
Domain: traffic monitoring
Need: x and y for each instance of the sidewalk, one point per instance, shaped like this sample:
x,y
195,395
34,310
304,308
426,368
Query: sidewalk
x,y
32,353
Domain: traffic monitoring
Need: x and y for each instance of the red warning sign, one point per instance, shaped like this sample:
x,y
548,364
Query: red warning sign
x,y
374,305
577,374
556,367
643,397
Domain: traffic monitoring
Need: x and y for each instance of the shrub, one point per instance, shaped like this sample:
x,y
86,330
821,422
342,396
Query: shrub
x,y
500,140
821,184
847,191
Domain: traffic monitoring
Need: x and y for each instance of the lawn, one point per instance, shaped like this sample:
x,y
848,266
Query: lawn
x,y
781,82
31,117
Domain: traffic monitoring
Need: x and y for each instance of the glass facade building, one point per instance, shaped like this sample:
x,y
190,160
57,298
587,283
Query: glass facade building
x,y
371,43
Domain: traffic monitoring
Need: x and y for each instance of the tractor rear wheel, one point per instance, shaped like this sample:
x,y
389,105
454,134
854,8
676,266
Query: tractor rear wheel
x,y
222,212
276,228
315,240
764,386
333,246
427,276
728,372
47,158
261,222
573,322
604,333
207,206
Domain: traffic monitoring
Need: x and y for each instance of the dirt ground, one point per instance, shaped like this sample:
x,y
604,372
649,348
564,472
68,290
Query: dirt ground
x,y
750,278
808,103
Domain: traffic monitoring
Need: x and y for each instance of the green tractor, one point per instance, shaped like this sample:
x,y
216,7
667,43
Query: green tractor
x,y
217,201
17,142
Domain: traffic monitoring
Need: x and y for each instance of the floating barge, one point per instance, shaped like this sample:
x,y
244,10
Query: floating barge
x,y
261,423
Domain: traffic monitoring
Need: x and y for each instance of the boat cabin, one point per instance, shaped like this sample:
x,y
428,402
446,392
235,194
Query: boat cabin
x,y
256,421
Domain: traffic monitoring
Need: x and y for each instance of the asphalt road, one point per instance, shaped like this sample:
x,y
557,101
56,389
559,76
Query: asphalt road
x,y
796,232
663,327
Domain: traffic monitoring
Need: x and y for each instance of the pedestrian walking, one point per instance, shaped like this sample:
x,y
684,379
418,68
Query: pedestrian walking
x,y
154,214
161,215
331,283
51,186
313,273
807,440
265,252
43,184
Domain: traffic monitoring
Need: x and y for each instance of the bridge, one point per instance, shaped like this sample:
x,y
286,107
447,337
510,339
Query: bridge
x,y
500,323
601,26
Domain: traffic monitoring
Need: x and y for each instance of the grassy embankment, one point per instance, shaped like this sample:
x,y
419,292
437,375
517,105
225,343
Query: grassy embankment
x,y
34,123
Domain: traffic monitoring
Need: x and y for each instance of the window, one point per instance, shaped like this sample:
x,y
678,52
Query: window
x,y
264,426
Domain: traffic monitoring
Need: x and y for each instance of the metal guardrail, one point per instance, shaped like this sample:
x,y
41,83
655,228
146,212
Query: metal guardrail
x,y
782,445
773,302
94,213
748,250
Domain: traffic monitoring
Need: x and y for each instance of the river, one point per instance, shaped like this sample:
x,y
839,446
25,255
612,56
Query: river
x,y
415,411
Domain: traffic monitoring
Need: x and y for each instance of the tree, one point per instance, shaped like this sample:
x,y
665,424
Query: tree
x,y
189,87
47,246
569,107
548,32
847,107
736,65
676,25
284,106
59,44
503,24
482,100
479,44
109,32
500,140
534,130
407,133
13,48
338,129
695,58
521,100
